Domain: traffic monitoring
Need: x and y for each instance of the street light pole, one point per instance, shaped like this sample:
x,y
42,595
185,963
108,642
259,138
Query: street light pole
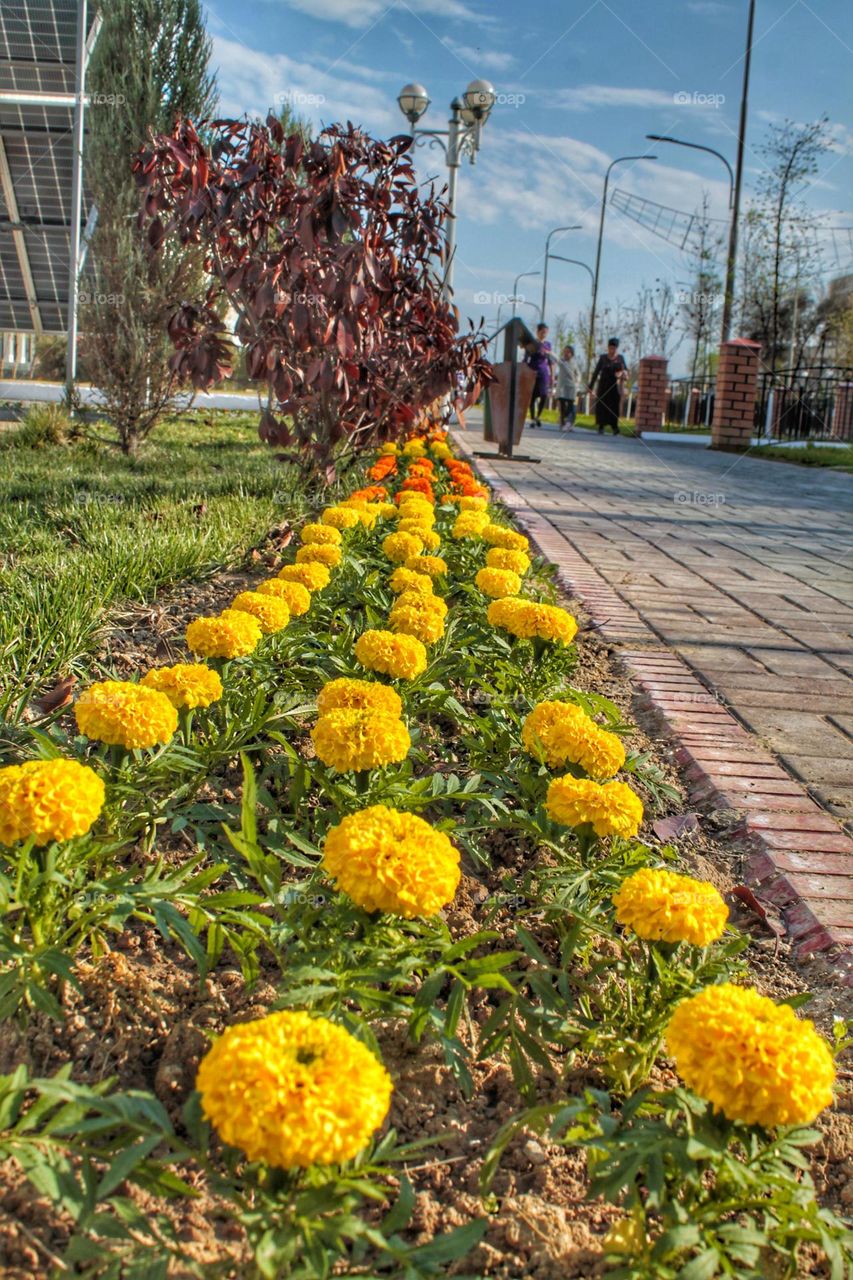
x,y
468,115
576,227
697,146
591,341
731,259
522,275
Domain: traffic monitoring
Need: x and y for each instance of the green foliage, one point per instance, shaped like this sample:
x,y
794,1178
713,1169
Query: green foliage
x,y
78,540
44,426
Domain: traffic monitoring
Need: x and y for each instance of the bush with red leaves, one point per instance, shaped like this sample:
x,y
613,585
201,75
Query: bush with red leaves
x,y
329,252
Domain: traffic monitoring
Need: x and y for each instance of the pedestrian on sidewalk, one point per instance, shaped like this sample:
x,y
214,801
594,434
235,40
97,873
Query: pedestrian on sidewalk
x,y
539,358
611,374
568,378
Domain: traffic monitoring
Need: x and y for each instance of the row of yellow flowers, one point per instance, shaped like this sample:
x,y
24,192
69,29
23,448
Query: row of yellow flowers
x,y
271,1087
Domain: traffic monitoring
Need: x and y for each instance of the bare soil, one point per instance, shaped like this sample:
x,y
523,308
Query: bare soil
x,y
143,1018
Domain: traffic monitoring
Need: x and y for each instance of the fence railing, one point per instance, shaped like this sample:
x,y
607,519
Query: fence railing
x,y
689,404
805,404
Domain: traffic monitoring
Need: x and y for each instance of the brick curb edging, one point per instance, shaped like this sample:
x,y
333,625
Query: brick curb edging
x,y
800,859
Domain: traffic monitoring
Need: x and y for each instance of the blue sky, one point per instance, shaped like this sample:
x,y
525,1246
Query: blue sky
x,y
580,84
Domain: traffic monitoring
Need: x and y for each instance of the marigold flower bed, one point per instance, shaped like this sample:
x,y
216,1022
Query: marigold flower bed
x,y
364,741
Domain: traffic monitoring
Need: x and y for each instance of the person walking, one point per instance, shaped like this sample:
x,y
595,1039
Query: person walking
x,y
539,359
568,377
611,374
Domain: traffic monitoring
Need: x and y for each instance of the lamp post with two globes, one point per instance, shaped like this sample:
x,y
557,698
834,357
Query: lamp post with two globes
x,y
468,114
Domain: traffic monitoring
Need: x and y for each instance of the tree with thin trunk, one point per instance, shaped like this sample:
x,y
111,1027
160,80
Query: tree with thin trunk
x,y
779,246
149,67
701,303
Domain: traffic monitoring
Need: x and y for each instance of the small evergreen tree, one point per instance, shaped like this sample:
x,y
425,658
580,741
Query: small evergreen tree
x,y
149,67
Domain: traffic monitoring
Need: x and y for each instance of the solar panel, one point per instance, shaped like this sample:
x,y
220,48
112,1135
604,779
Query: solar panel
x,y
832,246
37,56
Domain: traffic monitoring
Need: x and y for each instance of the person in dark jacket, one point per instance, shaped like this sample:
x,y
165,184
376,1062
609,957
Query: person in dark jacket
x,y
610,374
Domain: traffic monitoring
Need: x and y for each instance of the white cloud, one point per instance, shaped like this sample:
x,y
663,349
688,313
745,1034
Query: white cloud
x,y
252,82
360,13
540,182
477,59
588,97
709,8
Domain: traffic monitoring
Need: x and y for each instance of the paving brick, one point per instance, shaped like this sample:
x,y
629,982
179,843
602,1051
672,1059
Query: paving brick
x,y
751,599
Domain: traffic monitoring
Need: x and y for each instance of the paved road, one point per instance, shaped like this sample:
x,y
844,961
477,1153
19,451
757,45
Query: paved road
x,y
742,566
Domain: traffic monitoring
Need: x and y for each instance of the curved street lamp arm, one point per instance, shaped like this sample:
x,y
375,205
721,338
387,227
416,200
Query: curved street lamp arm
x,y
698,146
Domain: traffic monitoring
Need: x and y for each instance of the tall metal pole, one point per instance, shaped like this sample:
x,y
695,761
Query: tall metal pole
x,y
591,342
522,275
575,227
453,162
76,197
731,260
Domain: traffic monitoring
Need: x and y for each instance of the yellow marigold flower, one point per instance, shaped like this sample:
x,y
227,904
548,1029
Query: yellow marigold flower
x,y
663,906
401,657
753,1060
414,449
401,546
421,600
359,695
561,733
415,614
415,499
271,612
430,539
295,596
388,449
529,620
318,553
310,574
386,860
234,634
498,583
415,513
339,518
470,524
610,808
125,715
440,450
419,527
434,566
503,558
48,800
403,579
498,535
350,739
386,510
472,504
292,1090
186,684
625,1236
321,534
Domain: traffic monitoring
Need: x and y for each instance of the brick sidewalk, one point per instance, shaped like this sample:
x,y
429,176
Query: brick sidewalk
x,y
723,579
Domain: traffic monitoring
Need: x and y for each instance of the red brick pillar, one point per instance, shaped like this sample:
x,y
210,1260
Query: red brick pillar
x,y
734,401
842,414
651,394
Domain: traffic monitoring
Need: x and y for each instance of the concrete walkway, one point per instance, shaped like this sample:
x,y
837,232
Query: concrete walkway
x,y
740,568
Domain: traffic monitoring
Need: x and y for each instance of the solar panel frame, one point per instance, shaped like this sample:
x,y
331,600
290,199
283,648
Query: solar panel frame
x,y
37,54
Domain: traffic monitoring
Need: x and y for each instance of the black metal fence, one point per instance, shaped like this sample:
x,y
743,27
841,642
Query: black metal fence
x,y
689,404
805,404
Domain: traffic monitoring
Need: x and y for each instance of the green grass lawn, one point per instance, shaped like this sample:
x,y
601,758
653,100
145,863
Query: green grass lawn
x,y
83,528
809,455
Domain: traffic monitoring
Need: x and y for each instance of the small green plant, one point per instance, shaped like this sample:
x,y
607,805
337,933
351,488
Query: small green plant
x,y
44,426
